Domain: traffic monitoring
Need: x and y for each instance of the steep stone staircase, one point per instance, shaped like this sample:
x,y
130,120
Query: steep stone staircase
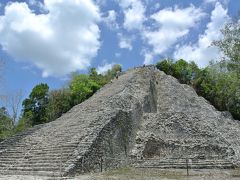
x,y
88,131
46,157
184,164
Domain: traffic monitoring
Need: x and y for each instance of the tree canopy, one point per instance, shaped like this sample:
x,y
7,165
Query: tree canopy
x,y
82,87
34,107
218,85
5,123
230,45
44,105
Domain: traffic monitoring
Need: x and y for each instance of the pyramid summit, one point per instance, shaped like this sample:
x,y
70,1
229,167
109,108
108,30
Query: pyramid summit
x,y
142,116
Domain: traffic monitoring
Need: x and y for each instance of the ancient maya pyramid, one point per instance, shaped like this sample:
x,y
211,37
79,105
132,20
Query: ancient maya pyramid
x,y
144,115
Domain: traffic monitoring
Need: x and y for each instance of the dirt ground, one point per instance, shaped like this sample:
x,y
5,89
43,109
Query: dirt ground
x,y
157,174
147,174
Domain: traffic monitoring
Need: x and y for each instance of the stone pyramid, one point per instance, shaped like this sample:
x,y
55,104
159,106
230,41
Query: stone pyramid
x,y
144,119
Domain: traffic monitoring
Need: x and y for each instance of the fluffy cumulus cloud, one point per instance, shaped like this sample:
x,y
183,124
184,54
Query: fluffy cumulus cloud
x,y
172,24
134,14
111,16
125,42
111,19
148,58
202,52
59,42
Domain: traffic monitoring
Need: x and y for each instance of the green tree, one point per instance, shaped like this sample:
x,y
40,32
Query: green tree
x,y
217,83
82,87
59,103
221,87
111,73
182,70
166,66
230,45
98,78
25,121
43,106
6,127
205,84
116,68
36,104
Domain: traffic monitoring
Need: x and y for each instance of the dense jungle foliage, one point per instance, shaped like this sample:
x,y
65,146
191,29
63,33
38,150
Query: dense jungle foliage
x,y
220,81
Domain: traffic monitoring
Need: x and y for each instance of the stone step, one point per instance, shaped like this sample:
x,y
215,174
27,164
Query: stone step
x,y
46,148
14,168
45,159
32,154
36,157
25,161
36,164
33,173
38,152
35,167
67,137
55,150
182,161
199,166
44,144
184,164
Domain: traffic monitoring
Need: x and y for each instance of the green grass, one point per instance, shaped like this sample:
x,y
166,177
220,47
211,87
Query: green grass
x,y
129,173
133,173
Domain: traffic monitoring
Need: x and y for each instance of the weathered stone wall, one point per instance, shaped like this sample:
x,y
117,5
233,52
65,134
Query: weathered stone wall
x,y
186,126
111,145
115,140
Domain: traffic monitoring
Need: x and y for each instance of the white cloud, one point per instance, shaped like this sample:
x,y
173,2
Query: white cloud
x,y
125,42
202,52
210,1
62,41
111,16
111,19
148,58
134,14
104,68
172,25
215,1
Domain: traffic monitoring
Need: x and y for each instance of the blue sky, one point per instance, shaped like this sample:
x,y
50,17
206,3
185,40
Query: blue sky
x,y
46,40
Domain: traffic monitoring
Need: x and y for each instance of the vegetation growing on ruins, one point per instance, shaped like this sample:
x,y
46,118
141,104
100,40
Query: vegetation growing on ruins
x,y
219,82
44,105
5,124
